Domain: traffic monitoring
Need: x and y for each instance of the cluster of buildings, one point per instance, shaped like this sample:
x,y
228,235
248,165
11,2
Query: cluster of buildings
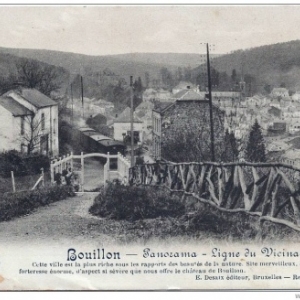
x,y
277,113
29,119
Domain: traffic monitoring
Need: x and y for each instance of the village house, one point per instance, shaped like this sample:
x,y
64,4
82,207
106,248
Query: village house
x,y
291,157
122,127
29,122
156,95
182,85
279,92
165,114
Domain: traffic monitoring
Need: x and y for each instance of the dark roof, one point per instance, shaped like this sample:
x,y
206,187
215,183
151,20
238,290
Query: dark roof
x,y
34,97
14,107
127,119
160,107
111,143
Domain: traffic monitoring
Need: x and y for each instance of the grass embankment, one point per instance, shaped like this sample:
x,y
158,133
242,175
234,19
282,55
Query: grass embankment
x,y
146,213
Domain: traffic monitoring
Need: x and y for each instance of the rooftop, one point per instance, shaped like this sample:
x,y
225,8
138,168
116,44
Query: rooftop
x,y
14,107
188,94
33,96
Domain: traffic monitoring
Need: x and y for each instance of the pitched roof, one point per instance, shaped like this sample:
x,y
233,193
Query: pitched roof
x,y
189,94
14,107
34,97
125,117
160,107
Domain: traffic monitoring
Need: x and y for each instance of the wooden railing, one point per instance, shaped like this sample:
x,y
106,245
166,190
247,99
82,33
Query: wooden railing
x,y
270,191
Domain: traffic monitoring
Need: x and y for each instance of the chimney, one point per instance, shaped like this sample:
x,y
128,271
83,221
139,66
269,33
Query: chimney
x,y
188,87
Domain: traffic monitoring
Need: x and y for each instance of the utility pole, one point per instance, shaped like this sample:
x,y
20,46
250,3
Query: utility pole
x,y
72,104
212,137
82,96
131,121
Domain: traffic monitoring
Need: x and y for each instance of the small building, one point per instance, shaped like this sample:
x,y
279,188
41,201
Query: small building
x,y
182,85
122,127
187,109
29,122
279,92
291,157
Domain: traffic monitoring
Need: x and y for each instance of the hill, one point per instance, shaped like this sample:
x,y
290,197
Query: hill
x,y
274,65
135,64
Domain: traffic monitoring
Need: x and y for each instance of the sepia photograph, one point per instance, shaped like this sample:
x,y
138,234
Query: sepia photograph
x,y
149,147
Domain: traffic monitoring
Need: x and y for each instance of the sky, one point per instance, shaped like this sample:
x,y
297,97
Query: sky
x,y
104,30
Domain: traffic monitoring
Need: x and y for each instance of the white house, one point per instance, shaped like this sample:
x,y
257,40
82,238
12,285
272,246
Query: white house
x,y
29,119
280,92
122,127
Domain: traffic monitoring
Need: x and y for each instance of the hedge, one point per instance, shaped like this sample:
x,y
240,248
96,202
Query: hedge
x,y
21,203
22,164
136,202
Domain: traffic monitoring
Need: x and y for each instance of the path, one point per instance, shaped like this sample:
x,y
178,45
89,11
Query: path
x,y
64,221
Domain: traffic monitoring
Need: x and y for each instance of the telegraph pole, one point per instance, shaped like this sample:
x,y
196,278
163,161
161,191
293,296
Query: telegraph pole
x,y
81,80
212,137
131,121
72,104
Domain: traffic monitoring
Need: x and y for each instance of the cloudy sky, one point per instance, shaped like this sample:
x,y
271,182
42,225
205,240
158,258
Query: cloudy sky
x,y
102,30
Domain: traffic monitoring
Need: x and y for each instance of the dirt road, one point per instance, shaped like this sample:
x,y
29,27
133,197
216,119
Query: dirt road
x,y
63,221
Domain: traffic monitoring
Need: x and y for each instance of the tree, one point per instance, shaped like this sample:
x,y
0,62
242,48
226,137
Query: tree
x,y
186,133
41,76
255,148
31,130
233,76
147,79
231,151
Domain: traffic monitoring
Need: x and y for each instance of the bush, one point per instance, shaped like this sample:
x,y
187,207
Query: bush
x,y
136,202
18,204
22,164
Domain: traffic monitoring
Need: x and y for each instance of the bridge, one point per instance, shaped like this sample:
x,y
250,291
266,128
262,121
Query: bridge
x,y
270,191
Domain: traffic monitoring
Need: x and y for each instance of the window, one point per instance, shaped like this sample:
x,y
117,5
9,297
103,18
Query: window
x,y
22,125
43,121
54,126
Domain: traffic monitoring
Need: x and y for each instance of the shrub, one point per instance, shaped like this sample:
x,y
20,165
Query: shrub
x,y
22,164
136,202
18,204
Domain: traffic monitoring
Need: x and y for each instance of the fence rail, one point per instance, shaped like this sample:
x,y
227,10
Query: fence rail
x,y
66,162
270,191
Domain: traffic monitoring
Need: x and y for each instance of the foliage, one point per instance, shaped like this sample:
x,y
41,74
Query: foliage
x,y
22,164
255,148
41,76
186,133
133,203
21,203
231,151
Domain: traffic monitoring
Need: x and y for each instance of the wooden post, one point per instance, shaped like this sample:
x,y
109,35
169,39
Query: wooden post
x,y
43,176
60,165
13,181
82,172
72,161
52,172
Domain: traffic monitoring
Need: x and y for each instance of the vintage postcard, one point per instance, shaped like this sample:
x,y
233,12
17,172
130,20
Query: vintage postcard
x,y
148,147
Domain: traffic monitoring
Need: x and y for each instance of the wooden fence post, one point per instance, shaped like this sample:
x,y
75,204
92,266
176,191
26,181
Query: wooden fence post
x,y
82,172
43,176
13,181
52,172
72,161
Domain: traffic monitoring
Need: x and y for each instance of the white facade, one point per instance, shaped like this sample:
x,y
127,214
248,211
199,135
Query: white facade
x,y
124,128
41,127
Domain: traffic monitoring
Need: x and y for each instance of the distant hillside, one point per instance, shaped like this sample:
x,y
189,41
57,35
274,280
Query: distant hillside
x,y
135,64
273,65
